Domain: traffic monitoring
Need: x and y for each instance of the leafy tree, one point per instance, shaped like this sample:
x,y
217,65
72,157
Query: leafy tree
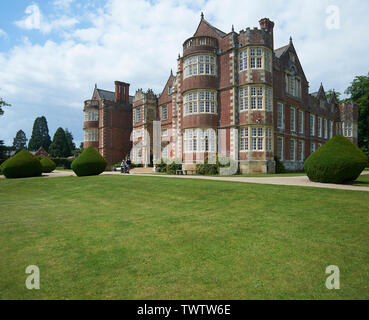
x,y
330,92
59,147
20,141
359,91
3,104
40,135
2,149
69,137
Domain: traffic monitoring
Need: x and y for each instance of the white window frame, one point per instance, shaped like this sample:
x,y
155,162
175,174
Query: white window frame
x,y
204,64
312,125
320,129
280,115
293,119
164,113
280,147
301,122
325,129
292,150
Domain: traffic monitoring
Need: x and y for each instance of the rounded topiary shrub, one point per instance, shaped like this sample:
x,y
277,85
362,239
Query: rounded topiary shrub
x,y
89,163
337,161
47,165
22,165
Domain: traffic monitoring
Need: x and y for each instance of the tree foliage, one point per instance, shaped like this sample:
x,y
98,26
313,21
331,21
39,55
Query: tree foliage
x,y
359,91
69,137
40,135
330,92
20,141
59,147
3,104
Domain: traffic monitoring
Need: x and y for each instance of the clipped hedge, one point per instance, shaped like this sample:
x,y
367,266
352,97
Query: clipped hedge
x,y
89,163
337,161
63,162
22,165
47,165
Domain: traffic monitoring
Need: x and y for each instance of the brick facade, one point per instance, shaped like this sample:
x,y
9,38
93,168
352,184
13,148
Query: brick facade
x,y
235,95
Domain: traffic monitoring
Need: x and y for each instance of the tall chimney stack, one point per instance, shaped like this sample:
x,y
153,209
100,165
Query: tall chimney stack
x,y
266,24
121,91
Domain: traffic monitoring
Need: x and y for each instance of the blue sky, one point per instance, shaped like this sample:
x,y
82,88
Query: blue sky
x,y
52,52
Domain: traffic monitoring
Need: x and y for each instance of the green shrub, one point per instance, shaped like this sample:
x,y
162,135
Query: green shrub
x,y
162,166
89,163
208,169
279,166
63,162
337,161
22,165
47,165
173,167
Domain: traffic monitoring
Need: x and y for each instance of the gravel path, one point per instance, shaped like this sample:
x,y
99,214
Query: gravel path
x,y
302,181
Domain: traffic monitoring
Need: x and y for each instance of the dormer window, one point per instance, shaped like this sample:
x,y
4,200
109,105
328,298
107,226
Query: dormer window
x,y
170,89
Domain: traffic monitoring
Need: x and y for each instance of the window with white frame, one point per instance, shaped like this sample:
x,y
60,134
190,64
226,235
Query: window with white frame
x,y
257,97
280,148
325,129
200,65
339,128
257,139
292,149
164,132
293,85
319,127
312,125
170,89
139,152
301,150
200,140
137,133
313,147
91,115
347,129
91,134
164,113
164,152
280,116
138,115
269,139
301,122
244,99
268,99
293,119
200,101
255,58
330,129
244,139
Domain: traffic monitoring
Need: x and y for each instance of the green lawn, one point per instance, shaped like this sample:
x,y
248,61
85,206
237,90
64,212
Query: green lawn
x,y
127,237
362,181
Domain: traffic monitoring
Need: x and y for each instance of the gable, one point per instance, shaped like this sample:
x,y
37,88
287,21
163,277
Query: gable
x,y
206,29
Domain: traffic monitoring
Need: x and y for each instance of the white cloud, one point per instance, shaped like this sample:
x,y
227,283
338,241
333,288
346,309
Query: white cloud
x,y
138,42
63,4
35,20
3,34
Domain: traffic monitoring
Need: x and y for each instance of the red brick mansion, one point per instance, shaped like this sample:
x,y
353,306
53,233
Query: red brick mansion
x,y
233,95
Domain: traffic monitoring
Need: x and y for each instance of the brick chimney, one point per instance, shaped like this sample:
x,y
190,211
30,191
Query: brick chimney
x,y
121,91
266,24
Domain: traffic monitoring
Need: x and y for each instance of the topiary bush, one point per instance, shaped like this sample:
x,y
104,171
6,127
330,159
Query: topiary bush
x,y
47,165
89,163
22,165
337,161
